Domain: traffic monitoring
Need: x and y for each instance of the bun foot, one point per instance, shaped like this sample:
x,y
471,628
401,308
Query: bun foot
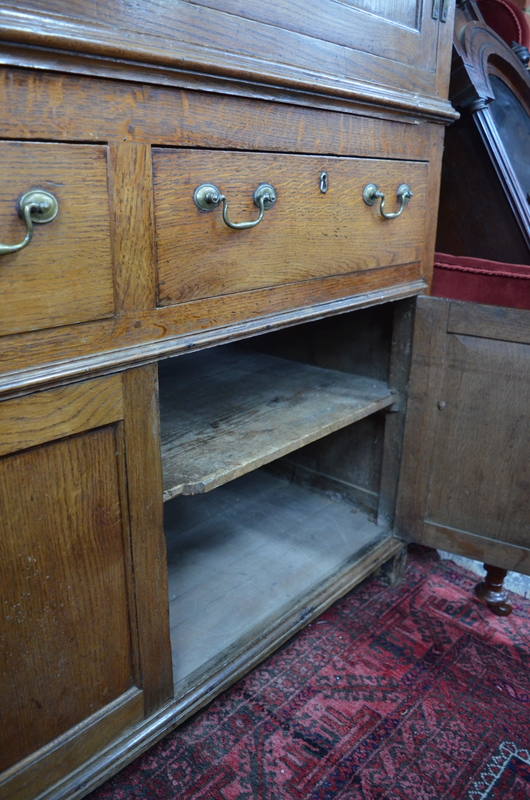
x,y
492,593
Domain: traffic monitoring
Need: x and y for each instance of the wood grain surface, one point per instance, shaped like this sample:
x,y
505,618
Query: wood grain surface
x,y
67,108
45,416
133,339
426,374
147,543
480,471
433,192
490,322
131,202
344,24
65,274
399,372
478,547
56,763
59,106
63,656
305,235
226,413
184,36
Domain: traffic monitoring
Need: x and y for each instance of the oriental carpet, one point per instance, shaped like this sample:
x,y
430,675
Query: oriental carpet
x,y
407,692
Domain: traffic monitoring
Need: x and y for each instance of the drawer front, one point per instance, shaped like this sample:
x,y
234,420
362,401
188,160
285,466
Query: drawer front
x,y
64,275
307,234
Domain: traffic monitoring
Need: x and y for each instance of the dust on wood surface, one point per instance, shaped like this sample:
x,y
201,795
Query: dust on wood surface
x,y
225,413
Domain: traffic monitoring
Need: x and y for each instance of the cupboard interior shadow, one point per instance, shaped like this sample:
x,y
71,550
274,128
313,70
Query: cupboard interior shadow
x,y
272,453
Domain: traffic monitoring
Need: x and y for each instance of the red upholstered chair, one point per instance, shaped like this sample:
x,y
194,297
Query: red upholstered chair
x,y
507,19
484,219
481,281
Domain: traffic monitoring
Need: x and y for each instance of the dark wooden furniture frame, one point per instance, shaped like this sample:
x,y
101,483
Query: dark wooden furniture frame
x,y
478,173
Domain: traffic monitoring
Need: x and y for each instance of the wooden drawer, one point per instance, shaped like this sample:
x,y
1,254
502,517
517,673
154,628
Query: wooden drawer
x,y
64,275
306,235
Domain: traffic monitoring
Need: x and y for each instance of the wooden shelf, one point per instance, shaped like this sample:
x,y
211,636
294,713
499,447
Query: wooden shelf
x,y
227,412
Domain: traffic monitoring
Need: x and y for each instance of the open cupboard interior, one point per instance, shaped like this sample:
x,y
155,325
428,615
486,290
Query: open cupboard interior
x,y
277,457
296,462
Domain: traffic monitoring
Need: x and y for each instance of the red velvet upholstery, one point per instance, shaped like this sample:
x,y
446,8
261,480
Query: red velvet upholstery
x,y
481,281
507,19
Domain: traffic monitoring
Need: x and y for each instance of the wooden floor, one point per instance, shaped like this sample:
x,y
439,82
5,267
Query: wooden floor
x,y
245,553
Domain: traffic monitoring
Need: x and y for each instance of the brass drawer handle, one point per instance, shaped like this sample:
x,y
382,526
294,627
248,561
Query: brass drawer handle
x,y
371,195
36,206
207,197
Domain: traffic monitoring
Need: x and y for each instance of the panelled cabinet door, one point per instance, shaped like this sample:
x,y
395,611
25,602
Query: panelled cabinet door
x,y
75,671
368,47
465,475
389,42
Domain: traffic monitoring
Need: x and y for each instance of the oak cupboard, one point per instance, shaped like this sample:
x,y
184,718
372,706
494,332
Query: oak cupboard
x,y
201,424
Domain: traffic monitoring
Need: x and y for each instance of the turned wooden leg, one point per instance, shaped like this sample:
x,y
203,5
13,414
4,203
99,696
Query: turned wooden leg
x,y
492,592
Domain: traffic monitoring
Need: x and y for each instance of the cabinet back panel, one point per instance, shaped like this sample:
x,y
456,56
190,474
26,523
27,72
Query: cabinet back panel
x,y
348,462
358,342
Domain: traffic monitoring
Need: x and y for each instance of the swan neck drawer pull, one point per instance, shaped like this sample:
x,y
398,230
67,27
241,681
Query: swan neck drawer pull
x,y
207,197
36,206
371,195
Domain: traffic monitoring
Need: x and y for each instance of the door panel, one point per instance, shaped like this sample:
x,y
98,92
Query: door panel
x,y
326,42
63,565
390,10
386,36
387,29
465,475
480,468
84,647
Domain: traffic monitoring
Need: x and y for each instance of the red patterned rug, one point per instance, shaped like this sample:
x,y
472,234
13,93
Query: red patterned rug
x,y
412,692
